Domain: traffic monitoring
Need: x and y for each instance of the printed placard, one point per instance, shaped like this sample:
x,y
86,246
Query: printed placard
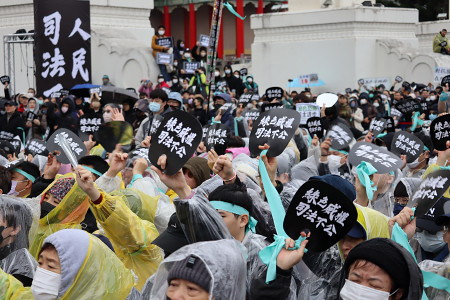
x,y
445,80
165,42
324,211
177,137
315,127
246,98
377,126
164,58
269,106
348,90
274,93
398,79
275,127
390,125
380,158
243,72
251,114
405,143
97,90
340,136
6,135
440,72
156,122
204,40
376,81
424,105
430,191
89,125
4,79
140,153
36,147
306,111
75,143
440,132
14,164
360,81
217,138
190,67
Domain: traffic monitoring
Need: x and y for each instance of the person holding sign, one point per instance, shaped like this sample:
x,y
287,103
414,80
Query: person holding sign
x,y
440,43
160,33
250,86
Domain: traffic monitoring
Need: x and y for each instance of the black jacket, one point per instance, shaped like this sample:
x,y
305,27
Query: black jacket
x,y
15,126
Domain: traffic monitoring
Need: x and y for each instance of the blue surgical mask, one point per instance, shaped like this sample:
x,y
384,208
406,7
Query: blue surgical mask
x,y
398,208
41,102
154,106
431,242
432,117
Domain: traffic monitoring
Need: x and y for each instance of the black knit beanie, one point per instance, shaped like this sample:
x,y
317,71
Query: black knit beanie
x,y
192,269
383,254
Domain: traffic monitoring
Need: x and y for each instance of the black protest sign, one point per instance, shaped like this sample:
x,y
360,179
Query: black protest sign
x,y
340,136
408,106
315,127
275,127
217,138
156,122
190,67
30,116
204,40
270,106
348,90
323,210
390,125
165,42
14,164
75,143
6,135
205,131
251,114
274,93
377,126
361,81
445,80
64,93
243,72
405,143
112,133
246,98
440,132
88,124
430,191
4,79
164,58
255,97
398,79
62,44
177,137
240,125
17,144
380,158
8,148
424,105
36,147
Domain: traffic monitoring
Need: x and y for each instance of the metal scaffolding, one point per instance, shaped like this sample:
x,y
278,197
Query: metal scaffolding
x,y
9,56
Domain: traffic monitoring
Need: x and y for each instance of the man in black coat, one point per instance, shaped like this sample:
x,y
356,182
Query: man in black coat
x,y
11,123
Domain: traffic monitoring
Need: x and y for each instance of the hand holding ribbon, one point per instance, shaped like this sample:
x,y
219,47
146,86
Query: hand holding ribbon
x,y
364,170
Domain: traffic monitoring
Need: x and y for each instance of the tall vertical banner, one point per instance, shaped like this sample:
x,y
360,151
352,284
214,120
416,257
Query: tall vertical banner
x,y
62,44
213,41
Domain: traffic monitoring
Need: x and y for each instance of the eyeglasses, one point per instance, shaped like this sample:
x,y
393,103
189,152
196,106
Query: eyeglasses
x,y
400,200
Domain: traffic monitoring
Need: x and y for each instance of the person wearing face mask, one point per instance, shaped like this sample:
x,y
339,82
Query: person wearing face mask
x,y
178,51
233,83
198,112
250,85
22,179
15,223
198,82
428,242
176,84
146,87
11,123
403,192
35,123
161,83
106,81
67,117
380,269
175,101
357,115
369,111
108,115
199,54
225,116
160,33
158,107
73,265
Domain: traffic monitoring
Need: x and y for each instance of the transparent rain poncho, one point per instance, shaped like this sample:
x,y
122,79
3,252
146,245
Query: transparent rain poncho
x,y
130,235
226,263
69,213
440,268
14,257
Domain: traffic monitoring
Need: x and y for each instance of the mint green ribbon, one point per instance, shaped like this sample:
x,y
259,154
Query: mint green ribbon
x,y
429,278
236,131
23,135
269,254
416,121
231,9
364,170
136,177
381,135
340,151
214,122
235,209
389,107
27,176
92,170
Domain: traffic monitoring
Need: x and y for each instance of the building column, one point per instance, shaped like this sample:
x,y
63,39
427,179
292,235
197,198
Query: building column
x,y
239,29
192,26
220,42
167,20
260,9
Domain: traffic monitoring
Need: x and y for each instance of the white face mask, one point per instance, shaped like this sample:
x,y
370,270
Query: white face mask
x,y
64,109
250,80
161,32
431,242
227,71
432,98
175,80
182,45
216,74
175,64
160,80
45,284
376,104
354,291
415,163
235,75
187,55
334,160
107,117
363,101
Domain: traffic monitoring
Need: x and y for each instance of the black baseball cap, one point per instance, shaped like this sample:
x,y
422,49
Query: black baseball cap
x,y
10,102
445,217
173,238
427,221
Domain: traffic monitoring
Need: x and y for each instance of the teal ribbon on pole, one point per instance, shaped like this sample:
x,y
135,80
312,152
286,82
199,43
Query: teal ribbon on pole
x,y
214,122
269,254
23,135
389,107
231,9
364,170
429,278
236,131
381,135
416,120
